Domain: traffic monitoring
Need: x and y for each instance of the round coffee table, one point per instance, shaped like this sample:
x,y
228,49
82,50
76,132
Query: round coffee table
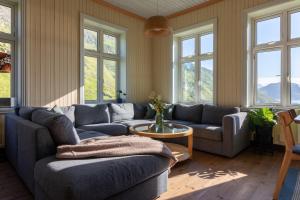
x,y
170,130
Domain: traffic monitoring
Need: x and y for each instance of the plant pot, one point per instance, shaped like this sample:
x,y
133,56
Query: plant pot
x,y
264,139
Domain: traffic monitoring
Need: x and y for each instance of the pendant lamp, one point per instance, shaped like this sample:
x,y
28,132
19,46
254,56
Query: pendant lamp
x,y
157,26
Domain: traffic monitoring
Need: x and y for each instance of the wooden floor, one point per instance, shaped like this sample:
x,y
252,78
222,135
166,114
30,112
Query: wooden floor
x,y
208,177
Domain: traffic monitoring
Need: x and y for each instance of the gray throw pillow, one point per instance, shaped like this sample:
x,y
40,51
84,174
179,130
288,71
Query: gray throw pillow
x,y
122,111
214,114
150,113
140,110
26,111
68,111
190,113
168,112
61,128
85,114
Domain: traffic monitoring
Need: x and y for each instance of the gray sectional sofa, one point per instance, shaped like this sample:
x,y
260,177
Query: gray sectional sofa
x,y
31,149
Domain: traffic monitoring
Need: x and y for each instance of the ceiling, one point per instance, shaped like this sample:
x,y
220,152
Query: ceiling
x,y
148,8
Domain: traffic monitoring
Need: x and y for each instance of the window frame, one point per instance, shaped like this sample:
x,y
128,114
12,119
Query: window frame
x,y
101,56
11,38
284,45
197,58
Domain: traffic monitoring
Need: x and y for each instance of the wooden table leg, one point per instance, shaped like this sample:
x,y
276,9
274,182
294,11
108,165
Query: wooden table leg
x,y
190,145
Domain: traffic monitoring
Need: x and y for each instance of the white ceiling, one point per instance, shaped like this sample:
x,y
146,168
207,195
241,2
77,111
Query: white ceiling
x,y
148,8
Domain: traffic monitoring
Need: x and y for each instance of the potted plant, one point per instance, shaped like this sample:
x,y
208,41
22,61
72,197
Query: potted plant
x,y
262,121
158,105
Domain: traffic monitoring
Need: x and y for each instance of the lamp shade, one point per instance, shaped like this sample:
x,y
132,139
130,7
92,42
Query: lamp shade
x,y
157,26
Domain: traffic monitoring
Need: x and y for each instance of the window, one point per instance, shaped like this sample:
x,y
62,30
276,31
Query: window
x,y
101,65
195,52
7,48
275,53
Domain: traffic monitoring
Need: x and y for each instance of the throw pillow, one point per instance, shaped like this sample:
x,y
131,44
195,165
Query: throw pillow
x,y
140,110
168,112
150,113
61,128
122,111
68,111
26,112
85,114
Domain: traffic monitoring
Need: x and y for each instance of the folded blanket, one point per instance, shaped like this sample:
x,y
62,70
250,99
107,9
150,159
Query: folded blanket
x,y
114,147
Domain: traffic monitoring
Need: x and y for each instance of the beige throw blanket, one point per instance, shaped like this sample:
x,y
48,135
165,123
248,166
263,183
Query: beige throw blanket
x,y
115,146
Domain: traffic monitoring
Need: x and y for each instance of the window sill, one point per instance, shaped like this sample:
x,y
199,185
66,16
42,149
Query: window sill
x,y
4,110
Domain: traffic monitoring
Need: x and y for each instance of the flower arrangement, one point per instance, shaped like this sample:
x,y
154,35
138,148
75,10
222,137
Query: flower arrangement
x,y
156,103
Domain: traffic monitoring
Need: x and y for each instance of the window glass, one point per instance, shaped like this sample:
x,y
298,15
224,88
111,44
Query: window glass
x,y
207,43
268,77
188,82
295,25
206,80
5,70
5,19
90,78
268,31
110,44
109,80
90,40
188,47
295,75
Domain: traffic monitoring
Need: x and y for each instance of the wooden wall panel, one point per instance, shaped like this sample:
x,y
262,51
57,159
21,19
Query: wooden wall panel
x,y
230,49
53,51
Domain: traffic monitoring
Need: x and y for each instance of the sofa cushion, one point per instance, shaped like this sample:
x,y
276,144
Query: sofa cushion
x,y
168,112
90,134
26,112
214,114
113,129
60,127
85,114
206,131
186,123
97,178
192,113
68,111
122,111
150,113
140,110
135,122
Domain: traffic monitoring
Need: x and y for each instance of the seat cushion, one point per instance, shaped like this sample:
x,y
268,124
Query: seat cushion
x,y
90,134
97,178
122,111
135,122
296,149
186,123
214,114
85,114
188,113
206,131
112,129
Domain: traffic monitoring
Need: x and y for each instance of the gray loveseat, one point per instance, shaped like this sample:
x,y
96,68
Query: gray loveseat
x,y
30,149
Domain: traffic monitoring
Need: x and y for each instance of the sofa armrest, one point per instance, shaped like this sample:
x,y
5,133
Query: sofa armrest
x,y
236,135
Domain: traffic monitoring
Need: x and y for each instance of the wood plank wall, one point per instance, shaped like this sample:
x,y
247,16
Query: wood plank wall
x,y
53,51
229,14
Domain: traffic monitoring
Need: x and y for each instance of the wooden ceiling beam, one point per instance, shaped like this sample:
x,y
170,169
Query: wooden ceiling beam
x,y
120,10
191,9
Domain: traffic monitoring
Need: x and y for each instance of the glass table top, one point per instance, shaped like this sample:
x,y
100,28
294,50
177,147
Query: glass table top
x,y
167,128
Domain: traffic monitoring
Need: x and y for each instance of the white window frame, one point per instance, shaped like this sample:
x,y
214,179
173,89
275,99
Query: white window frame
x,y
284,45
195,32
11,38
119,57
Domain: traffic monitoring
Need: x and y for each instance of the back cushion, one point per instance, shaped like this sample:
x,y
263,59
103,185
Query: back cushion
x,y
214,114
60,126
85,114
26,112
122,111
188,113
140,110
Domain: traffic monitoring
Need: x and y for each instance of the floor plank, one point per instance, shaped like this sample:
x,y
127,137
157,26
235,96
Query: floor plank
x,y
208,177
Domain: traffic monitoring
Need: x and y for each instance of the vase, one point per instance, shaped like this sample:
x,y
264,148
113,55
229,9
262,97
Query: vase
x,y
159,122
